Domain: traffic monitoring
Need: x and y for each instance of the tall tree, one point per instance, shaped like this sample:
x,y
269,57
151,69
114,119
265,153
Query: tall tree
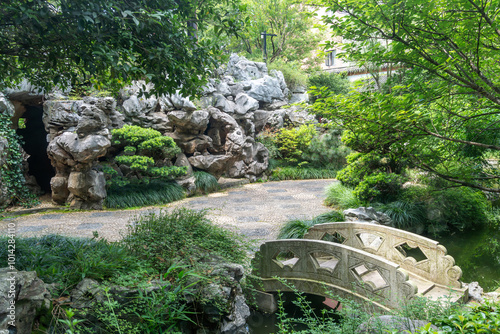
x,y
292,22
444,114
65,42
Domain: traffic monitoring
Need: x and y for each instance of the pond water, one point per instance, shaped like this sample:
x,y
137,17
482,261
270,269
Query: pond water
x,y
477,253
262,323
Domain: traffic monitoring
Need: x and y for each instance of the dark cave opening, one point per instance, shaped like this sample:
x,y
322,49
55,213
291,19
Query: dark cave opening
x,y
34,142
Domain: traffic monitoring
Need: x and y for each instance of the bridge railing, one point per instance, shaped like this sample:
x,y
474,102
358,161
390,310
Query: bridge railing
x,y
316,264
414,253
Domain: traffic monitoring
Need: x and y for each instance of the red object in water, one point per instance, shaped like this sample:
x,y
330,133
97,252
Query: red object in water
x,y
333,304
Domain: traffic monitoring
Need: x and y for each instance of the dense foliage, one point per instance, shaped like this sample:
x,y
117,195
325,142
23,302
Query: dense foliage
x,y
292,22
11,173
71,42
439,110
183,236
175,250
146,153
335,83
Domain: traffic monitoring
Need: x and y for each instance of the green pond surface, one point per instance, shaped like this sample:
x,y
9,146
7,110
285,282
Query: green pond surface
x,y
477,253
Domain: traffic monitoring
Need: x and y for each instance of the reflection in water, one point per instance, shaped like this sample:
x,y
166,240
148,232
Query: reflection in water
x,y
262,323
477,253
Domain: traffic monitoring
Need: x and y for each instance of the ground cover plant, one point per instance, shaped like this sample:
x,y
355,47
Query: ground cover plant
x,y
205,182
134,195
177,250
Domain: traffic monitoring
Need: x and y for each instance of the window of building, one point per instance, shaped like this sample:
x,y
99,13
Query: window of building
x,y
330,58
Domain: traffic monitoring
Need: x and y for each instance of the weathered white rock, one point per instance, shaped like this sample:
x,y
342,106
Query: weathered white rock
x,y
189,122
243,69
71,150
245,103
182,103
88,189
266,89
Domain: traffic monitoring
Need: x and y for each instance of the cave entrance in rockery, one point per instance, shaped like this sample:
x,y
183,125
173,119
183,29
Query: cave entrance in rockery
x,y
27,121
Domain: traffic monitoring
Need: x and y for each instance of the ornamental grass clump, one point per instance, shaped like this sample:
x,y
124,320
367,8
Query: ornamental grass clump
x,y
341,196
133,195
182,236
205,182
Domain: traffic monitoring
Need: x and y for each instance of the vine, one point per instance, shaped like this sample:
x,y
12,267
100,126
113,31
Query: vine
x,y
11,173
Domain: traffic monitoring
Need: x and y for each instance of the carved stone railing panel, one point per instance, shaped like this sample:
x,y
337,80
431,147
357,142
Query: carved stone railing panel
x,y
336,266
396,245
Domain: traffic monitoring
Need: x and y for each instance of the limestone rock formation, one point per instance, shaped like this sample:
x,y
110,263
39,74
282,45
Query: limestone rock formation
x,y
80,134
216,133
30,296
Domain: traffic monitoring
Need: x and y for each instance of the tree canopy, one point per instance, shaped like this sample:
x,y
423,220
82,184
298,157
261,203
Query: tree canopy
x,y
440,109
68,42
292,22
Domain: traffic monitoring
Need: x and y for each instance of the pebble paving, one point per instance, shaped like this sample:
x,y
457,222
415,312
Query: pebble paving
x,y
256,210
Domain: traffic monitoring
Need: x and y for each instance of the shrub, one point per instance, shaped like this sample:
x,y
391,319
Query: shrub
x,y
326,150
267,137
205,182
146,154
341,196
460,208
380,186
404,214
334,82
182,236
475,318
292,73
359,165
292,142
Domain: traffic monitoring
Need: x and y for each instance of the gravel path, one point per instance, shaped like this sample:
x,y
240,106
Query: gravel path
x,y
256,210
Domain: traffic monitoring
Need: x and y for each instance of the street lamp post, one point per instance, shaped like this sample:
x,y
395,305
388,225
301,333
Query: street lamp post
x,y
264,35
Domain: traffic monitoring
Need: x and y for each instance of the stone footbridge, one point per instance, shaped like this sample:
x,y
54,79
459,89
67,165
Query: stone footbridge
x,y
371,263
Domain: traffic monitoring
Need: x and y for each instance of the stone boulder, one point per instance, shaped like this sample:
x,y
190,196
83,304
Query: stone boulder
x,y
87,189
59,116
29,295
245,103
80,135
243,69
70,150
369,214
266,89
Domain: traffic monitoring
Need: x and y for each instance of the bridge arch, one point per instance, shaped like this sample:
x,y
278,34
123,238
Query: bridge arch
x,y
322,267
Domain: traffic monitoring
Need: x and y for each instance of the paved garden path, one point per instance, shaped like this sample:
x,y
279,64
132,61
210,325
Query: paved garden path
x,y
256,210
